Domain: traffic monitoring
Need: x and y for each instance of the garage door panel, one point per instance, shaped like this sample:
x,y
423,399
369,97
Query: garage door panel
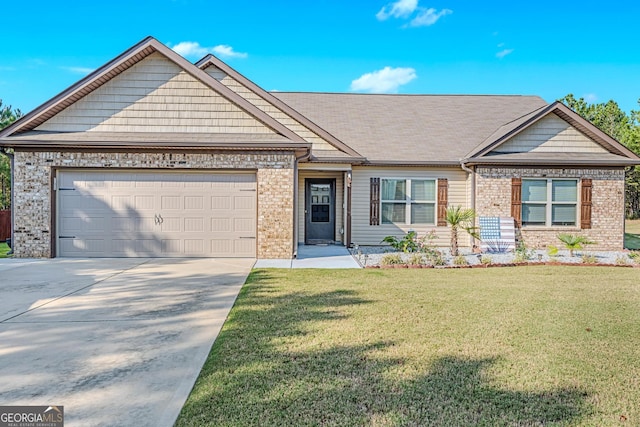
x,y
194,224
221,202
221,225
121,203
171,224
144,202
83,247
244,202
243,225
157,214
244,247
194,203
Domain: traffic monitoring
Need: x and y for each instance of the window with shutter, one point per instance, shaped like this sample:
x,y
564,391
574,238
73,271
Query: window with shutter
x,y
548,202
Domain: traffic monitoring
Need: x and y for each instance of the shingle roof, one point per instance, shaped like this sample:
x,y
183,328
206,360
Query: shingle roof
x,y
405,128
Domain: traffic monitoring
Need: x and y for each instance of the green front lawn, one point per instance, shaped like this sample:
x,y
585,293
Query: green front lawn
x,y
492,347
3,250
632,234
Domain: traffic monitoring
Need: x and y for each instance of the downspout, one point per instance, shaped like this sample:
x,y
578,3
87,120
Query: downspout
x,y
472,201
295,201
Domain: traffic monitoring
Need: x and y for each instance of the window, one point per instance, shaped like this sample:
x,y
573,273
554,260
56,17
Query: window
x,y
549,202
408,201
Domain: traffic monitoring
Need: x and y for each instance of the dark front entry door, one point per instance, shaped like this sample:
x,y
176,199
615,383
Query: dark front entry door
x,y
320,211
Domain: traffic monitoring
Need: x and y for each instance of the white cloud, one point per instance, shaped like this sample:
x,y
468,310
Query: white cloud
x,y
503,53
398,9
227,52
427,17
387,80
590,97
79,70
193,49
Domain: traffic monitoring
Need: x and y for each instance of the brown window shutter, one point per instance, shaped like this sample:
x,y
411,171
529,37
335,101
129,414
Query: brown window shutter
x,y
443,201
585,209
516,200
374,201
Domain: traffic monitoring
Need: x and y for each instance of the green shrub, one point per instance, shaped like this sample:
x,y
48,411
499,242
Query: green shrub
x,y
406,244
635,256
522,252
622,260
589,259
552,251
486,260
460,260
574,241
391,259
416,259
436,258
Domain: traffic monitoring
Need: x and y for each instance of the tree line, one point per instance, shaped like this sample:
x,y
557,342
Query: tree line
x,y
8,115
607,116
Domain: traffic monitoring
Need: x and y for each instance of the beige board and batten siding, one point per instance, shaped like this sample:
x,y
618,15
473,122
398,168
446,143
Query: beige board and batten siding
x,y
339,202
154,95
364,234
550,135
156,214
318,143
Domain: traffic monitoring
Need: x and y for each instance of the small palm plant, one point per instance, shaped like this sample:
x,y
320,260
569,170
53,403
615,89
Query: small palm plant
x,y
459,218
574,242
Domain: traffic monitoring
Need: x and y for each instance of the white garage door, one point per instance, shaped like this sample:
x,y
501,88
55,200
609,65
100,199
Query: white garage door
x,y
156,214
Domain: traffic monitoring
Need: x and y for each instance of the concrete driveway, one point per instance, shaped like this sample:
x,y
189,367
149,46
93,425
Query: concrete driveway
x,y
114,341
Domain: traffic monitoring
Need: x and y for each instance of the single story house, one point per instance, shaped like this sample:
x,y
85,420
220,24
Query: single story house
x,y
152,155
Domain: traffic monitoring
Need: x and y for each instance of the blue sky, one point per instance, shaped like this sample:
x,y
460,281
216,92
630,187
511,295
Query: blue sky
x,y
545,48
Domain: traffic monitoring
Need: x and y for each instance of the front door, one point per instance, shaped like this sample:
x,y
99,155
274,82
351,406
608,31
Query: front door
x,y
320,211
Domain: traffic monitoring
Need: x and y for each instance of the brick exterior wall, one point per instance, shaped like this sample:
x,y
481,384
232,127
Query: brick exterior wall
x,y
493,198
33,195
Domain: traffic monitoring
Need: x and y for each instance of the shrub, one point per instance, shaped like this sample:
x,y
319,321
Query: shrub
x,y
589,259
621,260
406,244
460,260
574,241
391,259
431,254
486,260
635,256
416,259
522,253
436,258
552,251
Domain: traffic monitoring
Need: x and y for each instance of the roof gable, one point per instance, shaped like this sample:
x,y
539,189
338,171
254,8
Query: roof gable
x,y
323,141
550,130
170,73
550,134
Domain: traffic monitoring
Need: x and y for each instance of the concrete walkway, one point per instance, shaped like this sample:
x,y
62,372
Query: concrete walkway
x,y
115,341
314,256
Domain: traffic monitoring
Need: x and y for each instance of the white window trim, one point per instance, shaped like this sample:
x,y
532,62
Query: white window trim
x,y
409,201
549,203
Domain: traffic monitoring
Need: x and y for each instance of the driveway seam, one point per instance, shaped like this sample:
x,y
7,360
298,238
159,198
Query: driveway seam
x,y
74,292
